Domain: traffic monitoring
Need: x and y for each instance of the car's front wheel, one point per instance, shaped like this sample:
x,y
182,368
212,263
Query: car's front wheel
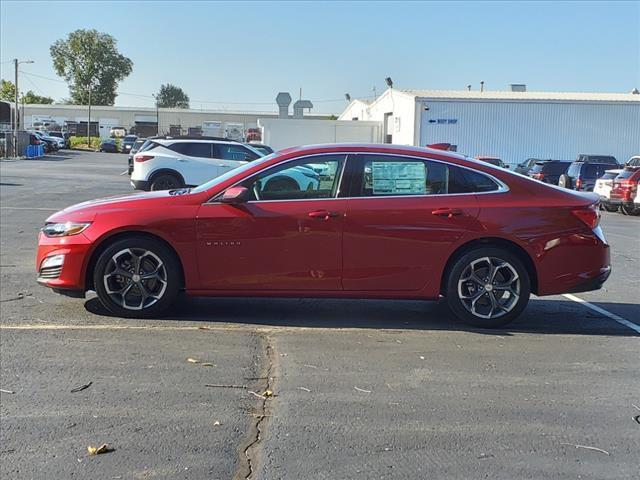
x,y
630,210
137,277
488,287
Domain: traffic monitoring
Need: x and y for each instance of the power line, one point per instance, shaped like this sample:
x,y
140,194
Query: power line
x,y
215,102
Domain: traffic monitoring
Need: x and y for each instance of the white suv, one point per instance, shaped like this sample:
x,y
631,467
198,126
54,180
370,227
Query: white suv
x,y
165,163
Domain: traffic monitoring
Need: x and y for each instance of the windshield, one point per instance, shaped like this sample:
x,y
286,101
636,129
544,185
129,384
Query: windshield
x,y
232,173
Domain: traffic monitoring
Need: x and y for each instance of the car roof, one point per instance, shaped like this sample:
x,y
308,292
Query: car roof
x,y
374,148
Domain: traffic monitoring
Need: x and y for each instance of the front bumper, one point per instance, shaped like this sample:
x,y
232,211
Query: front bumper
x,y
70,276
141,185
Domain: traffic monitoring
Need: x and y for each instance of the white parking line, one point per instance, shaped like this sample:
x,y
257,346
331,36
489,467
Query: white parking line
x,y
604,312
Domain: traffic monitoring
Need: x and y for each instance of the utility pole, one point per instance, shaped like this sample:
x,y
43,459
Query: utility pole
x,y
15,113
89,121
16,116
154,95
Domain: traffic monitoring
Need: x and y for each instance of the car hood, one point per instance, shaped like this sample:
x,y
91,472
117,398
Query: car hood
x,y
86,211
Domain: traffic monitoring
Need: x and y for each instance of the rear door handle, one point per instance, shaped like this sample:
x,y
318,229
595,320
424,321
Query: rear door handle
x,y
446,212
323,214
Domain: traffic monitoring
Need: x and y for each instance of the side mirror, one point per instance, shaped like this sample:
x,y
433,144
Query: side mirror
x,y
506,166
235,195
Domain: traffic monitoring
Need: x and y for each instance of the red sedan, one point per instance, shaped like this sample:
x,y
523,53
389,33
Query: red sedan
x,y
348,221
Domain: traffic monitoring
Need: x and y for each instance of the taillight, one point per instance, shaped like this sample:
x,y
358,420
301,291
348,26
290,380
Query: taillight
x,y
578,183
538,176
143,158
590,215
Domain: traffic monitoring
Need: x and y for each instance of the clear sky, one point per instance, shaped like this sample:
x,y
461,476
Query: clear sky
x,y
237,56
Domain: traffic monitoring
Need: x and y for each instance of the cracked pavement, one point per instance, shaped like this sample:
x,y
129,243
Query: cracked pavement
x,y
362,389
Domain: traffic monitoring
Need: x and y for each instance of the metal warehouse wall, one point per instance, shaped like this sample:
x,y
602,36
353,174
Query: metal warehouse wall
x,y
517,131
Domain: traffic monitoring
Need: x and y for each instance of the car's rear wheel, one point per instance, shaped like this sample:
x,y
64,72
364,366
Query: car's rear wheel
x,y
137,277
630,210
609,208
165,181
488,287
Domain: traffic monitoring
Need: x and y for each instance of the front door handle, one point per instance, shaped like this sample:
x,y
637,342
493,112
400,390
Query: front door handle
x,y
446,212
323,214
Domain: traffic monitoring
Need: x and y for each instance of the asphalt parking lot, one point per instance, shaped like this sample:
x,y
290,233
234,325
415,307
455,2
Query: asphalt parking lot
x,y
361,389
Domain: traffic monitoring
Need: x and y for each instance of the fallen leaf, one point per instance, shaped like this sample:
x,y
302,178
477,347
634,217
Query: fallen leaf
x,y
104,448
207,364
362,390
216,423
192,360
268,393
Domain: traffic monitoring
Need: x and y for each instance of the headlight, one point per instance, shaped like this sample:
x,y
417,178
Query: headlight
x,y
64,229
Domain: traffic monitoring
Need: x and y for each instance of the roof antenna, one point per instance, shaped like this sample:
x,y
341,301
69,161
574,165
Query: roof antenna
x,y
482,86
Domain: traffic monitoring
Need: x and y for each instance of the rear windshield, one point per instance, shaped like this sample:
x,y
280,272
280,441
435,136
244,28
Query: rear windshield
x,y
56,134
554,168
537,168
609,175
594,170
602,159
130,137
627,173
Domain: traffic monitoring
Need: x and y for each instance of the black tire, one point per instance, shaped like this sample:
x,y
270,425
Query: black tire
x,y
157,262
514,303
165,181
627,210
609,208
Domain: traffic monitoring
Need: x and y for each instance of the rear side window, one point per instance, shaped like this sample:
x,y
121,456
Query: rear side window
x,y
192,149
478,183
574,169
148,145
379,176
603,159
536,168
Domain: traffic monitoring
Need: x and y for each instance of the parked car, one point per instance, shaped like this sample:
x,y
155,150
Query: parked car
x,y
603,188
385,221
583,175
633,161
588,158
624,191
261,147
493,161
527,165
166,163
109,145
549,171
64,136
51,144
127,143
134,149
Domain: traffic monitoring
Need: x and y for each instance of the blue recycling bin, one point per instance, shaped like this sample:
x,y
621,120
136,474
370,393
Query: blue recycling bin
x,y
30,151
40,150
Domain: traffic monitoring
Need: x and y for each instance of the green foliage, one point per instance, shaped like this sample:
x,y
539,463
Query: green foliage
x,y
7,91
81,143
171,96
88,58
8,94
31,97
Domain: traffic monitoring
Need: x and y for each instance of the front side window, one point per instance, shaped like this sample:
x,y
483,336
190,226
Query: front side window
x,y
226,151
308,178
399,176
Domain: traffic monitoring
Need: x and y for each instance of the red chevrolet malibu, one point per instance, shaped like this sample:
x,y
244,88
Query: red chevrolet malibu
x,y
349,221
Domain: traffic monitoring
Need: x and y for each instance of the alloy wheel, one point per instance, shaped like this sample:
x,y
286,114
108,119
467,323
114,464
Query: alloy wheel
x,y
135,278
489,287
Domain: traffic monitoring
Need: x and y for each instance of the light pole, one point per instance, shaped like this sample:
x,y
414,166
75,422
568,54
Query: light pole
x,y
157,114
16,117
89,121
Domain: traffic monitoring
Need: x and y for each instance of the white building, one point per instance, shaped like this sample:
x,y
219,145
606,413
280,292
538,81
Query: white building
x,y
512,125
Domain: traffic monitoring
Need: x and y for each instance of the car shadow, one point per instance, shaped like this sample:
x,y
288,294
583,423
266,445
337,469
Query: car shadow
x,y
541,316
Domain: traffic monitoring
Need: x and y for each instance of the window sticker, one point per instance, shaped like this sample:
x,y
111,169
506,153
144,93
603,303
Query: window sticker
x,y
399,178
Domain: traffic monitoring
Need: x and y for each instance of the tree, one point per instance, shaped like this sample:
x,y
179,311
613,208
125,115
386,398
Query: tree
x,y
31,97
90,59
8,93
171,96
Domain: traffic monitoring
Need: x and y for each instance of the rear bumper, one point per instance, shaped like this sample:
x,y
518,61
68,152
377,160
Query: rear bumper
x,y
577,262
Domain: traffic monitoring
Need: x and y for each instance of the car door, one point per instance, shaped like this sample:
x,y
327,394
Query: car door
x,y
194,161
287,237
404,217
